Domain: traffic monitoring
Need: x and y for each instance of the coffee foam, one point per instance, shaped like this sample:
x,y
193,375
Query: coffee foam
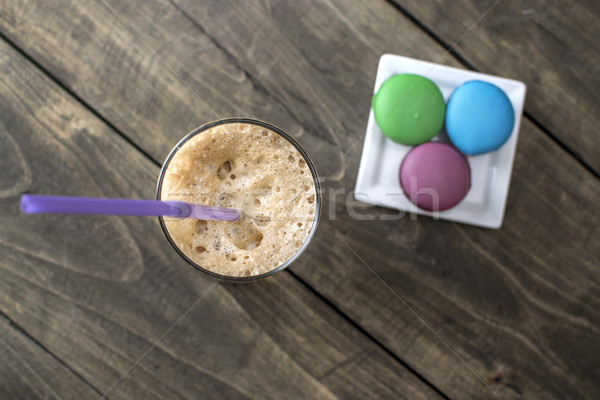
x,y
254,170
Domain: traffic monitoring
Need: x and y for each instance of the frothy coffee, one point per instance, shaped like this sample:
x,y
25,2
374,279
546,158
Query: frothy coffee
x,y
256,171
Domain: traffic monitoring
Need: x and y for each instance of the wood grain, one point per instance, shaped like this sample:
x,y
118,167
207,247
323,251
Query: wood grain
x,y
167,88
29,372
514,304
104,294
551,46
519,306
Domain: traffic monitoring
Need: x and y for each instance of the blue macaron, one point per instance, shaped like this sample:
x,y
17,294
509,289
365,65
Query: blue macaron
x,y
479,117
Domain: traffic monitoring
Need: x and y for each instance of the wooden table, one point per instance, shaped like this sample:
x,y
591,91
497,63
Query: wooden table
x,y
93,95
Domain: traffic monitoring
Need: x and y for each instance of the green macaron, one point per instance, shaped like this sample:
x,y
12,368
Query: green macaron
x,y
409,109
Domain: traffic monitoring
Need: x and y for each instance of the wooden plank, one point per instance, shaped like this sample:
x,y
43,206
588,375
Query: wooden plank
x,y
552,46
99,292
29,372
488,305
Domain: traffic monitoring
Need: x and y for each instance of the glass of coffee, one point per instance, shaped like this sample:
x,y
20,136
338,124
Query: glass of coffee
x,y
251,166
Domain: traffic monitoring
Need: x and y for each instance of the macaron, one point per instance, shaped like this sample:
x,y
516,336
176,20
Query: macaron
x,y
409,109
479,117
435,176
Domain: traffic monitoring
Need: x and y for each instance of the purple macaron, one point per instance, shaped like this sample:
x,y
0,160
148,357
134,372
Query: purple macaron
x,y
435,176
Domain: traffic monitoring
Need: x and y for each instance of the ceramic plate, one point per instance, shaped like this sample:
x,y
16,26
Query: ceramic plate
x,y
378,183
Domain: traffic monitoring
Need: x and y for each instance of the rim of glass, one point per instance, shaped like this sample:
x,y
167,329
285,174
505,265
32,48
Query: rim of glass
x,y
272,128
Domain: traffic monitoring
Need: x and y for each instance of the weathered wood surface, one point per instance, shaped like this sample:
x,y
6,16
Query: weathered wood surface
x,y
552,46
99,292
518,305
151,97
28,371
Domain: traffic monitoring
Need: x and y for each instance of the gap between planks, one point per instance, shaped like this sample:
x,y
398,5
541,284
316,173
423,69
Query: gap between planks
x,y
28,336
78,98
364,332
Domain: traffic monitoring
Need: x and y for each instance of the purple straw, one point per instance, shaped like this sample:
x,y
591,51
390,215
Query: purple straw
x,y
32,204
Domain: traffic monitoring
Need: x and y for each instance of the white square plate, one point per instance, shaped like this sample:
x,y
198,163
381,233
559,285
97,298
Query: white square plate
x,y
377,182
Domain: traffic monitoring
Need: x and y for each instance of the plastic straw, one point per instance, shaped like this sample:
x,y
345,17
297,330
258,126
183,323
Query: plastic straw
x,y
33,204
